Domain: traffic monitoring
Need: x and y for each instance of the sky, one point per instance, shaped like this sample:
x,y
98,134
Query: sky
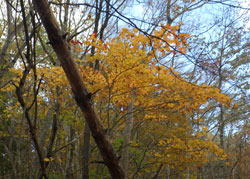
x,y
246,4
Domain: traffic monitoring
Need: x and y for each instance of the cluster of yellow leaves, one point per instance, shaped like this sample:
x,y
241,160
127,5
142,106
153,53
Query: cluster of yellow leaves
x,y
53,88
50,159
187,151
127,62
163,41
129,73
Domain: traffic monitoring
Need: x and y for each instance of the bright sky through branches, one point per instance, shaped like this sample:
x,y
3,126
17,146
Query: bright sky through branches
x,y
246,4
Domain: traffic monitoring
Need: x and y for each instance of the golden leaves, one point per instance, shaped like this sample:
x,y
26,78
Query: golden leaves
x,y
129,70
187,151
48,159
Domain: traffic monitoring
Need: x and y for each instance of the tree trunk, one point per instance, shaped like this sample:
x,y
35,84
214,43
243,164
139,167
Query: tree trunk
x,y
86,153
86,144
69,171
12,29
82,97
127,135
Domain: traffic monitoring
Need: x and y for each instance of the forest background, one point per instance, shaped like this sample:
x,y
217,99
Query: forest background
x,y
124,89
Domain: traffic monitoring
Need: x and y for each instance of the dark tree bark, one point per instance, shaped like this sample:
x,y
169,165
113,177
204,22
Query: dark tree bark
x,y
61,47
86,153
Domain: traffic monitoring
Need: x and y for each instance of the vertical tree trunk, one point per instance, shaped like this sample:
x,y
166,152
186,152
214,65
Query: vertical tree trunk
x,y
168,172
86,152
188,174
221,122
127,136
69,171
86,146
221,126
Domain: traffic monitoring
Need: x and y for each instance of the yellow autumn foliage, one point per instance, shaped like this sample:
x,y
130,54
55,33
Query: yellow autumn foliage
x,y
130,73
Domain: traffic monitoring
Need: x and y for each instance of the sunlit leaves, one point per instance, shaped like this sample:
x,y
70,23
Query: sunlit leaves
x,y
129,72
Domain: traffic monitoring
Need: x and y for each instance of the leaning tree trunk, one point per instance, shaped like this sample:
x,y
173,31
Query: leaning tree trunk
x,y
82,97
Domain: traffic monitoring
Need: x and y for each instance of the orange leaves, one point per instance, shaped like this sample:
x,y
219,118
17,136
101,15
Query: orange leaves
x,y
126,66
184,35
235,106
94,35
130,71
165,40
76,42
169,40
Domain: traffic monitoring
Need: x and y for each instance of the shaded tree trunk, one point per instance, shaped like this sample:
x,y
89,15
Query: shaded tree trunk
x,y
86,152
69,171
127,136
86,146
82,96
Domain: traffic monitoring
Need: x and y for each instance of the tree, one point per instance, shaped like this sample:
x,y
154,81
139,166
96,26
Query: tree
x,y
147,83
